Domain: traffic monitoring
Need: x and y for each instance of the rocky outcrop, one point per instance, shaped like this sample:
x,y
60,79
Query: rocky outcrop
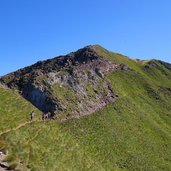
x,y
3,165
3,86
73,85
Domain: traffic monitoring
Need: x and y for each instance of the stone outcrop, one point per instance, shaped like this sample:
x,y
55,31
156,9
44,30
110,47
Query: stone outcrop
x,y
73,85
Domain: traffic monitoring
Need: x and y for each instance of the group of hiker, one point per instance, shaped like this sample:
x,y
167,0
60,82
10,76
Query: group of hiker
x,y
44,117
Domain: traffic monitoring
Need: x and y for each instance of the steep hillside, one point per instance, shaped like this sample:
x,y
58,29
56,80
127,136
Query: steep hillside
x,y
73,85
130,132
14,109
14,114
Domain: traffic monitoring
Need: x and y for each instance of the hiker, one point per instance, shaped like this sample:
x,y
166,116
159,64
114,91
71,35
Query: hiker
x,y
47,115
32,115
43,116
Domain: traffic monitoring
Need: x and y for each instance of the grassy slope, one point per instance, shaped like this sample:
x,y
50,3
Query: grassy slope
x,y
134,133
14,110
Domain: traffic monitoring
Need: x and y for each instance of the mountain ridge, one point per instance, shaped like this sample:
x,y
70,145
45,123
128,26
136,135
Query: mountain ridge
x,y
70,71
128,127
81,74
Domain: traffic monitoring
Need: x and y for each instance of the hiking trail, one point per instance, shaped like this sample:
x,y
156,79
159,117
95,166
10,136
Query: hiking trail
x,y
15,128
4,165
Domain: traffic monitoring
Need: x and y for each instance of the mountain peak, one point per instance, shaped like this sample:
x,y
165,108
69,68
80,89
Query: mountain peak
x,y
84,54
79,73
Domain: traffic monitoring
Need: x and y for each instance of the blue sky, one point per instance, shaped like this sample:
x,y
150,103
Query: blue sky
x,y
32,30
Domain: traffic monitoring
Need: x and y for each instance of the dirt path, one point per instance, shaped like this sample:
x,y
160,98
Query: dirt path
x,y
14,129
3,165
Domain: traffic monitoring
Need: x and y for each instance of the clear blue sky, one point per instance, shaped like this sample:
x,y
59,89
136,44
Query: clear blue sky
x,y
32,30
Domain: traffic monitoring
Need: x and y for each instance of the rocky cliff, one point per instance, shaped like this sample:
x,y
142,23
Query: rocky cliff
x,y
71,85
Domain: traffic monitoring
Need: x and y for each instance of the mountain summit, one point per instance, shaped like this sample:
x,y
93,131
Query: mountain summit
x,y
73,85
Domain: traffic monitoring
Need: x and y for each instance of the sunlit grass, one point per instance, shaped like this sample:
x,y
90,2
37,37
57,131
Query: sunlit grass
x,y
131,134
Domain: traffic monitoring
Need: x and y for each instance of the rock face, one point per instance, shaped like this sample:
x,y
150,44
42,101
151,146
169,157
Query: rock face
x,y
3,85
71,85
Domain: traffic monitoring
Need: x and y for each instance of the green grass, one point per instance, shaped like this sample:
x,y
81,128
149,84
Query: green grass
x,y
14,110
132,134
